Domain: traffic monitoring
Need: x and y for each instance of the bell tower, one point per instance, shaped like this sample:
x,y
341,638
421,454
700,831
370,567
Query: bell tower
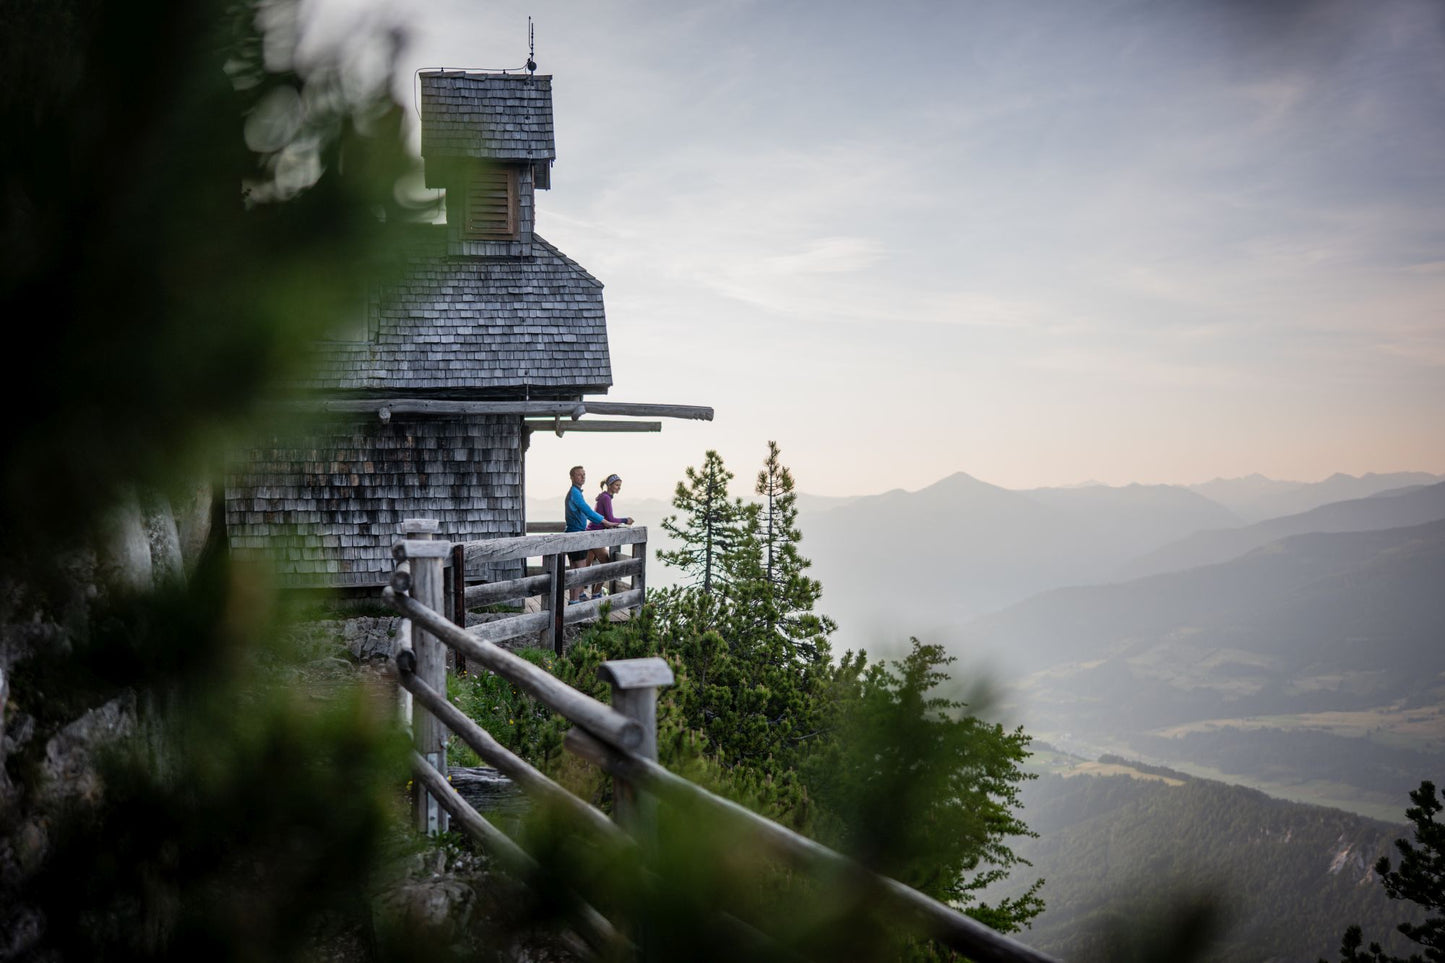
x,y
487,140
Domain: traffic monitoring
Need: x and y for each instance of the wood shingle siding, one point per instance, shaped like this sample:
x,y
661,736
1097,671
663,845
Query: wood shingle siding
x,y
466,324
504,117
484,311
324,505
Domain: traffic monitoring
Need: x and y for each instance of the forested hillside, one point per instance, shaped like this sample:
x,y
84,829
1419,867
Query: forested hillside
x,y
1285,878
1311,667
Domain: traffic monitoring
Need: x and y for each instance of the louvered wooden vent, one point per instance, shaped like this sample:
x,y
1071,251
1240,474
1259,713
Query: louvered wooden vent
x,y
492,203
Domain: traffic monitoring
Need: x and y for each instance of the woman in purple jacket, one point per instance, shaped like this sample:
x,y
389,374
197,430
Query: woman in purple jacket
x,y
610,487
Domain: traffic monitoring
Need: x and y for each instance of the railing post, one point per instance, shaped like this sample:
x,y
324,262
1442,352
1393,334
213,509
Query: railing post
x,y
459,597
556,566
614,554
639,581
428,735
634,694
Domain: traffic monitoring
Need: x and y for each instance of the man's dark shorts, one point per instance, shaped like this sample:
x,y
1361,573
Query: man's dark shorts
x,y
577,558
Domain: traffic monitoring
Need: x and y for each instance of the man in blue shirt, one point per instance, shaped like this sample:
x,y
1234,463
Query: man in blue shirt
x,y
578,513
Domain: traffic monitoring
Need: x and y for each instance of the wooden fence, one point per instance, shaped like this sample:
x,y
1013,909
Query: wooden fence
x,y
549,583
620,738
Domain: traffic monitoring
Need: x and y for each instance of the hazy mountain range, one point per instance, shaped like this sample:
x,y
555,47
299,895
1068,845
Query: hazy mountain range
x,y
925,562
1255,497
1389,509
1268,635
1311,667
1298,652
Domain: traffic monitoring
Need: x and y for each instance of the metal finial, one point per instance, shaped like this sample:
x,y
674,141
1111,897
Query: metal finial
x,y
531,48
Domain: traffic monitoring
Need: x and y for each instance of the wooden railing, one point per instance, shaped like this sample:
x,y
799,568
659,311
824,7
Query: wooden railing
x,y
620,738
550,582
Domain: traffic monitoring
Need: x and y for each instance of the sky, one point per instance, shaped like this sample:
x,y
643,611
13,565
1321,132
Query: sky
x,y
1155,241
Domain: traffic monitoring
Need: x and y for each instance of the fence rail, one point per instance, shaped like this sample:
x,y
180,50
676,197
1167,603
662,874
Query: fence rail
x,y
620,739
625,575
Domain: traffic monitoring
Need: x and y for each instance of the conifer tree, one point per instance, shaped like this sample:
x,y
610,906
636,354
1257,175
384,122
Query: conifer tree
x,y
718,533
1420,879
788,596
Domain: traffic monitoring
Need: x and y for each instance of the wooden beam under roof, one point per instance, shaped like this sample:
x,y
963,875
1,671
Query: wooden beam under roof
x,y
542,409
694,412
590,424
435,406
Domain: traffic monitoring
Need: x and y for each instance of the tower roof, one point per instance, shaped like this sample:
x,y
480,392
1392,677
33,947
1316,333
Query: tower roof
x,y
501,117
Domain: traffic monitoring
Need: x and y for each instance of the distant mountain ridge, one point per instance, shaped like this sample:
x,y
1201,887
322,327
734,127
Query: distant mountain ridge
x,y
910,561
1390,509
924,562
1255,498
1283,666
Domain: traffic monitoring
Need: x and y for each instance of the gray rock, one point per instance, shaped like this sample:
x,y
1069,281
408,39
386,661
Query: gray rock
x,y
69,766
193,522
124,554
436,909
369,639
164,539
488,791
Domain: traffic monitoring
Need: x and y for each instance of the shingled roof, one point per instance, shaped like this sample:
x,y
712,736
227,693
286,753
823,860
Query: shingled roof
x,y
503,117
494,326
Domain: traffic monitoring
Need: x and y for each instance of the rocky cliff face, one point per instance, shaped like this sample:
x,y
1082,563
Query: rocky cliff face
x,y
49,742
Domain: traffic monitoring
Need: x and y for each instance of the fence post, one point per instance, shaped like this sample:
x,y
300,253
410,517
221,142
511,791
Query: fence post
x,y
614,554
639,581
556,566
459,597
634,694
429,736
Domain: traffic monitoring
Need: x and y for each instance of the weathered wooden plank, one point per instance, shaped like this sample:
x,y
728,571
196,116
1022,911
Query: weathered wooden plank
x,y
401,651
496,842
507,762
492,550
941,922
424,561
457,586
602,573
511,627
428,735
432,406
538,528
592,925
555,601
491,593
614,587
639,581
693,412
417,548
401,577
556,695
592,424
592,608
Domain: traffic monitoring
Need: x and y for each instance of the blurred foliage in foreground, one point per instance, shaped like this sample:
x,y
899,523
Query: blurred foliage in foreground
x,y
174,233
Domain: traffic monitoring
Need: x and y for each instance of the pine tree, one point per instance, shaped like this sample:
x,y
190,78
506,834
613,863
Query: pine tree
x,y
917,788
1420,879
788,594
718,533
